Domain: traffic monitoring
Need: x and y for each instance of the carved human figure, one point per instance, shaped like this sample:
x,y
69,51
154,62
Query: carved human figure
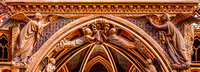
x,y
114,39
174,39
50,66
28,36
150,66
82,40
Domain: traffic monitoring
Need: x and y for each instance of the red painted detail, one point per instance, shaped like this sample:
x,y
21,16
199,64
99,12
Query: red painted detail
x,y
128,67
98,53
68,67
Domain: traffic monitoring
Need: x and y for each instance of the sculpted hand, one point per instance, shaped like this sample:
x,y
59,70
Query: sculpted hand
x,y
50,20
151,22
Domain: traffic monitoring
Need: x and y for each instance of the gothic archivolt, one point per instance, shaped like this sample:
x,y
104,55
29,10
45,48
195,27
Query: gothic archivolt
x,y
113,33
91,21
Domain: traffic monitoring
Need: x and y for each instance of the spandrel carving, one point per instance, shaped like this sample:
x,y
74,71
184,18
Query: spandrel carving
x,y
170,35
28,36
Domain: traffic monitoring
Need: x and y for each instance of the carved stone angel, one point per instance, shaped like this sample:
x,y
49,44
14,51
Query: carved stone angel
x,y
114,39
174,39
150,66
82,40
28,35
50,66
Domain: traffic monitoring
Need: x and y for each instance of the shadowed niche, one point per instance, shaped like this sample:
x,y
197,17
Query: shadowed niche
x,y
98,67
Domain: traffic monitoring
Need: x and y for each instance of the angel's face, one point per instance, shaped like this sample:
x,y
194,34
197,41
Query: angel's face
x,y
88,32
112,31
149,61
38,16
164,17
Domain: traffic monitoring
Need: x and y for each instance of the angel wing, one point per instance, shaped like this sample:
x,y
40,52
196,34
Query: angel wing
x,y
15,19
21,17
181,16
47,18
154,18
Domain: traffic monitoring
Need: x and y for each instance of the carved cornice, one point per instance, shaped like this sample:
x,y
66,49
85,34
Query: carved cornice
x,y
123,9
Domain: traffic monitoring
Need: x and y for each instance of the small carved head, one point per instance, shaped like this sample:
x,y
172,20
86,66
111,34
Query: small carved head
x,y
149,61
112,31
52,60
38,17
88,31
165,17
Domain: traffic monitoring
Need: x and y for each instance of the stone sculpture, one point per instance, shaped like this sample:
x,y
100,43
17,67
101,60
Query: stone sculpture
x,y
150,66
50,66
28,35
174,39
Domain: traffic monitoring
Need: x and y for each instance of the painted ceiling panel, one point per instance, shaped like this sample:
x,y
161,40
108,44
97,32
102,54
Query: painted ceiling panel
x,y
73,63
98,48
123,62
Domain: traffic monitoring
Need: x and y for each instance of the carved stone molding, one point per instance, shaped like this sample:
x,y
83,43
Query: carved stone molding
x,y
80,9
48,46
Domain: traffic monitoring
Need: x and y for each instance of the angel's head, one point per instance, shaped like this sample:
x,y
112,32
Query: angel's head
x,y
149,61
112,31
165,17
52,61
38,17
88,31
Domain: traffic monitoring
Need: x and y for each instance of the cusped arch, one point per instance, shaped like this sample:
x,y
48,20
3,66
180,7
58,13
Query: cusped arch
x,y
151,44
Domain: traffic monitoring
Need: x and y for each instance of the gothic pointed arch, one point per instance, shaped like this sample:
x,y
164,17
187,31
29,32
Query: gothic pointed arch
x,y
136,58
101,60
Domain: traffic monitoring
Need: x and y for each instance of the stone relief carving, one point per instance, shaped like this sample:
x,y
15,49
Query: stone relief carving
x,y
28,35
170,35
99,31
150,66
114,39
50,66
87,37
